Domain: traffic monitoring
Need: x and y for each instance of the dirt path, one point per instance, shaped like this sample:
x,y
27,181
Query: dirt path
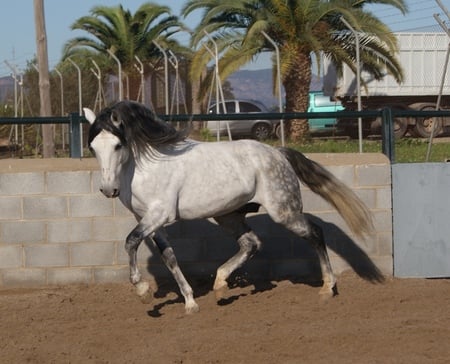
x,y
399,321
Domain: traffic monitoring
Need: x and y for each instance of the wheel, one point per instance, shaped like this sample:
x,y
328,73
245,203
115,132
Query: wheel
x,y
400,124
400,127
424,125
278,130
261,131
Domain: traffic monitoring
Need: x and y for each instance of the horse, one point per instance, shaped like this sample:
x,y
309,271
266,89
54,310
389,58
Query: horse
x,y
161,176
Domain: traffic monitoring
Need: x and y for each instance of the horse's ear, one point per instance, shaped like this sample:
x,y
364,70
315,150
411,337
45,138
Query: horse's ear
x,y
89,115
116,120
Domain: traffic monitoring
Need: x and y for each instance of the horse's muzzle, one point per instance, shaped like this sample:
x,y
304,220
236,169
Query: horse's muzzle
x,y
110,193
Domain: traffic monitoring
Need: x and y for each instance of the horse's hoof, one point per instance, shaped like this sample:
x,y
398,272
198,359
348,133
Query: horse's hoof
x,y
192,308
221,292
326,293
144,292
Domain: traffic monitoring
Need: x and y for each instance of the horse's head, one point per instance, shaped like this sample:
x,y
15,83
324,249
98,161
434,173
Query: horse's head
x,y
108,144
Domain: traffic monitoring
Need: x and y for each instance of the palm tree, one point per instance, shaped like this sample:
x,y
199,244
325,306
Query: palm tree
x,y
127,35
300,29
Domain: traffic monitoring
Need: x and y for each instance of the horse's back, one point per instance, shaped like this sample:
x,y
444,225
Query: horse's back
x,y
259,164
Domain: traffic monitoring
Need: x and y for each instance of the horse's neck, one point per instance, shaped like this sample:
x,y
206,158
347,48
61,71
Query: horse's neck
x,y
125,182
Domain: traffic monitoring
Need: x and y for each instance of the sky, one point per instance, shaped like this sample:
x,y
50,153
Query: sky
x,y
17,29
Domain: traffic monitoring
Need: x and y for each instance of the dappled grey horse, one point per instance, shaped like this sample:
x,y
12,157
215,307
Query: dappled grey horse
x,y
162,176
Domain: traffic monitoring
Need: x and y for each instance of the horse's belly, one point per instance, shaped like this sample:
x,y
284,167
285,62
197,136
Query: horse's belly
x,y
212,203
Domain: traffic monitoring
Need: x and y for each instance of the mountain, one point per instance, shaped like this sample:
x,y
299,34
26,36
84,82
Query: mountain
x,y
257,85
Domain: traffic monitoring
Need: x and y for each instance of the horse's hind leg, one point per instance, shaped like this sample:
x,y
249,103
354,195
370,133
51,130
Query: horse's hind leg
x,y
248,242
169,259
312,232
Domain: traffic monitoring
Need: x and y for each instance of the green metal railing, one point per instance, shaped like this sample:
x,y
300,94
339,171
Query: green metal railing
x,y
387,115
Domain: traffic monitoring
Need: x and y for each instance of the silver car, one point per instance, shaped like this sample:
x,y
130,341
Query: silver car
x,y
257,129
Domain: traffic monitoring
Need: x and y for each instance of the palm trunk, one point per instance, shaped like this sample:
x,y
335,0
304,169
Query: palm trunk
x,y
296,82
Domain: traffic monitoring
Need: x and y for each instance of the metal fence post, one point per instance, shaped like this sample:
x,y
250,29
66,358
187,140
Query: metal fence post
x,y
387,132
74,135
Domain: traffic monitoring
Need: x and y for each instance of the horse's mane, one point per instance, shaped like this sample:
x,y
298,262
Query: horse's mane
x,y
137,127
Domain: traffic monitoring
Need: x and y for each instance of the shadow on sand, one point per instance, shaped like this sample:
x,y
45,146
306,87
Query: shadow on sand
x,y
258,274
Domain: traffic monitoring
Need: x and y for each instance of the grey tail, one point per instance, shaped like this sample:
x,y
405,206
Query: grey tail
x,y
320,181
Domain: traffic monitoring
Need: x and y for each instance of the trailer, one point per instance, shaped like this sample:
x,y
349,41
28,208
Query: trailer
x,y
423,58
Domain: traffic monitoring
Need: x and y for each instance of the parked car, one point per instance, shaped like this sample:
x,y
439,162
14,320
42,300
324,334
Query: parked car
x,y
257,129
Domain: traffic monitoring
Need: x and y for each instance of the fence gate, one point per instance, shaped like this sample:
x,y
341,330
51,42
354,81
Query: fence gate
x,y
421,219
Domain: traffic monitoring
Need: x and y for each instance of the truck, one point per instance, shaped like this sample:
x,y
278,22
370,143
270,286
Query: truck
x,y
423,57
319,102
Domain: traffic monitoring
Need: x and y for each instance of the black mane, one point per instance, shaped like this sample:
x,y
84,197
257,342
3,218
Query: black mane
x,y
136,126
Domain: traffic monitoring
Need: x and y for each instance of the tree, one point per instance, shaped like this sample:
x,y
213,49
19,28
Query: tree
x,y
300,29
127,35
44,79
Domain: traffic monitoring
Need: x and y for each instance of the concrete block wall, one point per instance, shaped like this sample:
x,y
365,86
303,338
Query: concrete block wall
x,y
56,228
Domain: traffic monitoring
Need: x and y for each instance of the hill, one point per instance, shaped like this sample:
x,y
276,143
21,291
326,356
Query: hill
x,y
257,85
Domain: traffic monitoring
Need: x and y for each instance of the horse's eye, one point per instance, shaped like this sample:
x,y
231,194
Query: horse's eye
x,y
118,146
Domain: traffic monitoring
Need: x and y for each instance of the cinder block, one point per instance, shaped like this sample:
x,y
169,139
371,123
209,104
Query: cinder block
x,y
112,274
385,265
11,208
383,220
312,202
373,175
96,181
46,255
330,221
19,232
24,277
306,269
198,229
265,228
339,265
384,244
368,196
120,209
359,250
10,256
302,249
69,231
276,249
90,206
345,174
384,198
48,207
188,250
220,249
62,276
112,228
68,182
22,183
87,254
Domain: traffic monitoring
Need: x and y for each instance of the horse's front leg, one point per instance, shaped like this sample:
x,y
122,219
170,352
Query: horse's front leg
x,y
140,232
132,243
170,260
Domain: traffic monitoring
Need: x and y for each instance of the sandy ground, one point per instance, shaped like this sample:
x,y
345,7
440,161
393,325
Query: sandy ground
x,y
398,321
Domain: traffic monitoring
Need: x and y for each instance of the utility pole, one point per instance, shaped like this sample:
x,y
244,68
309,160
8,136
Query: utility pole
x,y
44,78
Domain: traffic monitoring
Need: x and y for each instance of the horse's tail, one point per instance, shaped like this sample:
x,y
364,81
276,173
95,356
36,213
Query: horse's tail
x,y
320,181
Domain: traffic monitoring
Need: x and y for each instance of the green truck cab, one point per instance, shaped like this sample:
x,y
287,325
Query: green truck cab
x,y
318,102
